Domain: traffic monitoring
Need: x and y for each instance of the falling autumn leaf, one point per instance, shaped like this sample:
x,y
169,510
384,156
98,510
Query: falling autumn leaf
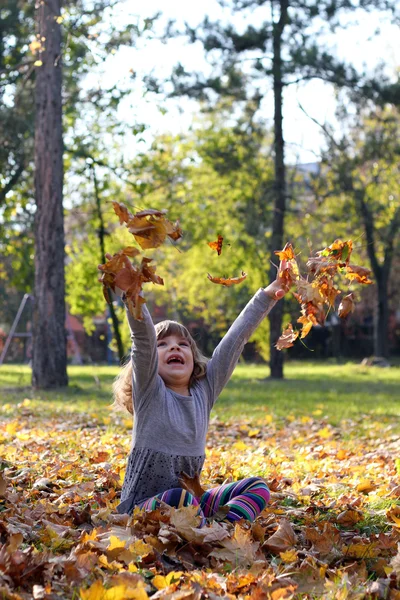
x,y
287,338
217,245
227,282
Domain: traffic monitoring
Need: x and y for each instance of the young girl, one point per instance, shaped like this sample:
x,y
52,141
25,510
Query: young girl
x,y
171,388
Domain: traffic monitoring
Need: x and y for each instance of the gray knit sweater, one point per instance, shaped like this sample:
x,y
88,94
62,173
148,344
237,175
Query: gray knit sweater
x,y
169,431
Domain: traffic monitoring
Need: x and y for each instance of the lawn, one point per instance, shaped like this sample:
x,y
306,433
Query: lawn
x,y
326,439
333,391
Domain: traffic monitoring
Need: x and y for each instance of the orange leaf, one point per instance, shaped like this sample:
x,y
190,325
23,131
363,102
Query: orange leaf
x,y
358,274
227,282
217,245
287,253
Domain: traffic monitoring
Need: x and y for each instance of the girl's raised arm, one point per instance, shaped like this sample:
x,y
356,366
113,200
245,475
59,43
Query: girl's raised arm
x,y
228,351
143,356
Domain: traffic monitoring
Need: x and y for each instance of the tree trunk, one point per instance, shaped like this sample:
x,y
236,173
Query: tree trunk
x,y
49,335
381,322
380,271
276,315
101,234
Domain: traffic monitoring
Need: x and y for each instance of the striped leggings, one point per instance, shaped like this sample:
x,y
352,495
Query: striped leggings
x,y
245,498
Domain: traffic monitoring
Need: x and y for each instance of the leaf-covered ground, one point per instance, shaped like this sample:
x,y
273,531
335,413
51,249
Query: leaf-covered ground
x,y
331,530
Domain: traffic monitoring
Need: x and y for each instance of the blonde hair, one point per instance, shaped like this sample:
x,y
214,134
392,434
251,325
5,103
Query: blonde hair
x,y
122,386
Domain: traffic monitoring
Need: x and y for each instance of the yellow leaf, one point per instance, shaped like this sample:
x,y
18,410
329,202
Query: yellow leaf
x,y
361,551
365,486
89,536
341,454
115,542
289,556
59,19
325,433
38,63
140,548
268,419
253,432
12,427
119,592
159,582
94,592
132,568
240,446
173,577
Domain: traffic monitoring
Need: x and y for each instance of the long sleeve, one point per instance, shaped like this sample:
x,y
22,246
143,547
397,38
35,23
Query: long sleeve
x,y
228,351
143,356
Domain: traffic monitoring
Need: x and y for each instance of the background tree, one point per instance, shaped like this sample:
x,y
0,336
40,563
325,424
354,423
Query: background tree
x,y
49,364
360,187
285,43
91,36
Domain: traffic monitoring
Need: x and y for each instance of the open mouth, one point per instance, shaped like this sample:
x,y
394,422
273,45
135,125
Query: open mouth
x,y
175,359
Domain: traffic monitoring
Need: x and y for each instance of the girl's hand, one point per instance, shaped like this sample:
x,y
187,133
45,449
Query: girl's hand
x,y
276,290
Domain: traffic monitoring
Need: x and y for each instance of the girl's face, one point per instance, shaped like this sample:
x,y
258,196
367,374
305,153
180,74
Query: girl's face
x,y
175,360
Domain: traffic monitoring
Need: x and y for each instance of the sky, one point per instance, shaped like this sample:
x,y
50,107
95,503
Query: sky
x,y
303,137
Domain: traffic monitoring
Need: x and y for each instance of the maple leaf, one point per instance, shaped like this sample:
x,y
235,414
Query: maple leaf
x,y
217,245
283,539
240,550
346,305
287,253
287,338
227,282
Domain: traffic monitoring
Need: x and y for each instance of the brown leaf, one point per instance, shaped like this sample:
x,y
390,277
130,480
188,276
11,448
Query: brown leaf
x,y
122,212
346,306
349,517
192,484
240,550
3,485
283,538
287,338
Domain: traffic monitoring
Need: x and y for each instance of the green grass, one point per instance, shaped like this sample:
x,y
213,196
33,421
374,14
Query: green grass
x,y
330,391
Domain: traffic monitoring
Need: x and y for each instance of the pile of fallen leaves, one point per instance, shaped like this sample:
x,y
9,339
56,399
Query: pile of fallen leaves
x,y
331,530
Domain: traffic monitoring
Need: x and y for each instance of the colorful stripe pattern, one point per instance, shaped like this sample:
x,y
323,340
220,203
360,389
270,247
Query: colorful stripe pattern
x,y
246,499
